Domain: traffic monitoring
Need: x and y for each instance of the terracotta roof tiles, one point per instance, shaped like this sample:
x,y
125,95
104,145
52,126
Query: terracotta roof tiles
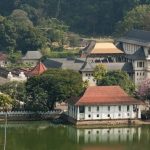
x,y
105,95
38,69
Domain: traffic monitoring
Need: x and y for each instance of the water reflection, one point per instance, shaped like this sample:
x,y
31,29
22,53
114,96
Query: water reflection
x,y
46,136
107,135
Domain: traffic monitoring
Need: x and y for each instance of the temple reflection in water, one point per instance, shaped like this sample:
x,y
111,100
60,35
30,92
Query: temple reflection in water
x,y
101,135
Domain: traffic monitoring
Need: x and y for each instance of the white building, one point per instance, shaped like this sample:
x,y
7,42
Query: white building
x,y
104,103
136,46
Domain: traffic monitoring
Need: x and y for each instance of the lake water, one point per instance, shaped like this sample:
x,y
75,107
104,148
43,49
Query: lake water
x,y
45,136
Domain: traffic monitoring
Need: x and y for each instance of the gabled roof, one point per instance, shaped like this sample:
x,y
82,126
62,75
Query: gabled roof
x,y
32,55
88,66
105,95
138,37
37,70
105,48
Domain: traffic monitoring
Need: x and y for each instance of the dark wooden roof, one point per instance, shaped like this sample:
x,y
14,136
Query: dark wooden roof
x,y
138,37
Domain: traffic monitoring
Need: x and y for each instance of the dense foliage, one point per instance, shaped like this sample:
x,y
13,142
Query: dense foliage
x,y
17,92
120,78
137,18
83,16
5,101
53,86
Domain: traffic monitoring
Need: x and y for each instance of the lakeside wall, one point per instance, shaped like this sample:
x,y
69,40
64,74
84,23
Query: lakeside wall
x,y
29,115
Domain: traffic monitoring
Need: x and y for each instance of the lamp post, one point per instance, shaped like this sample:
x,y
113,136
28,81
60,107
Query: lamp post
x,y
5,131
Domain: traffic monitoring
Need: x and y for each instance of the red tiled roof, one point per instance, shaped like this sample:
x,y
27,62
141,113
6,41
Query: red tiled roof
x,y
105,95
38,69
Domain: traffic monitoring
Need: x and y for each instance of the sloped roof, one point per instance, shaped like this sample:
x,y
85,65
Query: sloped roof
x,y
88,48
105,48
105,95
64,63
88,66
38,69
138,37
138,55
30,55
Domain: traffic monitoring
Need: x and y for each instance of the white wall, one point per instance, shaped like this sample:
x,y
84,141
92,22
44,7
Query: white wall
x,y
88,76
102,112
139,71
130,48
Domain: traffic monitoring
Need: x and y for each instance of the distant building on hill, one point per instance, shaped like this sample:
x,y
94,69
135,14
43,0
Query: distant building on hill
x,y
37,70
32,58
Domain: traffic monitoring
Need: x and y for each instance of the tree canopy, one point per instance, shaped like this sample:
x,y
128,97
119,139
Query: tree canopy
x,y
137,18
5,101
53,86
96,17
118,78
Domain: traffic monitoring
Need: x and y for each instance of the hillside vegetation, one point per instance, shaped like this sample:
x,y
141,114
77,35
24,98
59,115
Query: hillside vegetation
x,y
38,24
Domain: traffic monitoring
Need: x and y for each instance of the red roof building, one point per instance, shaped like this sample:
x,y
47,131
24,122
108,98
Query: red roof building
x,y
105,95
38,69
104,102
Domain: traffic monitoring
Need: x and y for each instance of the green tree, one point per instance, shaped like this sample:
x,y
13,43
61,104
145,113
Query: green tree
x,y
14,57
118,78
8,35
16,90
20,17
54,85
99,72
137,18
5,101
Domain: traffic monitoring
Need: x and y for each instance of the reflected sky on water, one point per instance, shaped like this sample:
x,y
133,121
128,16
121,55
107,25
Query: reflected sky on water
x,y
45,136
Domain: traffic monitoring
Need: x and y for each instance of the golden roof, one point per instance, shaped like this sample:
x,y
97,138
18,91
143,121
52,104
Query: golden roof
x,y
105,48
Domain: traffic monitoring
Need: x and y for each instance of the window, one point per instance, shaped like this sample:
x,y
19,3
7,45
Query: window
x,y
128,114
89,108
128,107
108,115
89,116
140,64
97,115
108,108
81,109
97,108
119,115
119,108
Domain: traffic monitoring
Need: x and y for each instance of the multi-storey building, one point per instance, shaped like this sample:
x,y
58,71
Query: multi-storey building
x,y
136,46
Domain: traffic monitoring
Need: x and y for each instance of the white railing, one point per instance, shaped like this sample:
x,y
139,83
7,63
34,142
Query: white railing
x,y
16,113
